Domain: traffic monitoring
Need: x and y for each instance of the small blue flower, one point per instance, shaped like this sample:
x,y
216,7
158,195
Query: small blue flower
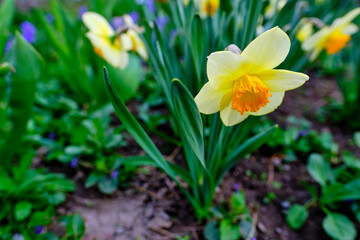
x,y
52,135
149,3
117,22
28,31
161,21
236,187
135,16
114,174
50,18
38,229
81,11
9,43
74,162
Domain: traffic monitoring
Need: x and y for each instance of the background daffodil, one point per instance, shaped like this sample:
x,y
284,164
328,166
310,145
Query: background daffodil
x,y
332,38
207,7
113,48
246,84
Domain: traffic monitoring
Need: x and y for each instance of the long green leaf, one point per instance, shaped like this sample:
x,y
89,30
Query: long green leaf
x,y
27,64
247,147
188,118
140,136
7,13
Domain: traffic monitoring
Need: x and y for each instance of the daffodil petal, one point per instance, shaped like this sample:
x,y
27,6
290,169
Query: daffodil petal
x,y
232,117
345,20
114,56
275,101
126,42
224,67
268,50
208,99
350,29
97,24
282,80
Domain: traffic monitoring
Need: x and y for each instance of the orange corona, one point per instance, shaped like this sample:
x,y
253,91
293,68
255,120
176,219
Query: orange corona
x,y
249,94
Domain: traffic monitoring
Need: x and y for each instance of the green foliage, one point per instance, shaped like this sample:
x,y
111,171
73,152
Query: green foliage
x,y
7,9
339,186
297,216
339,227
29,198
27,64
232,221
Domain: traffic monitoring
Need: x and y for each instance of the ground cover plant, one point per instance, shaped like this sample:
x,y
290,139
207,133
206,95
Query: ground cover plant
x,y
175,119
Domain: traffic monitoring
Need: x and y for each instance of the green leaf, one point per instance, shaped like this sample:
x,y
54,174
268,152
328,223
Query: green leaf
x,y
140,136
75,226
337,192
27,64
189,118
22,210
107,185
357,138
319,168
350,159
126,81
92,180
247,147
228,231
297,216
7,9
211,232
339,227
6,184
238,203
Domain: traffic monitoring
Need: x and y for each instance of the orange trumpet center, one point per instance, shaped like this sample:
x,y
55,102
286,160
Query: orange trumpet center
x,y
210,7
336,41
249,94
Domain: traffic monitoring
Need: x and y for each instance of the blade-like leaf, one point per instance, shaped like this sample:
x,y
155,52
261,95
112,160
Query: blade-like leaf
x,y
7,8
188,118
246,148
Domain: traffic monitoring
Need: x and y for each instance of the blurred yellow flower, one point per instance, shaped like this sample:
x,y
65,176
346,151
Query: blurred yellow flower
x,y
208,7
111,45
106,44
273,7
246,84
306,29
332,38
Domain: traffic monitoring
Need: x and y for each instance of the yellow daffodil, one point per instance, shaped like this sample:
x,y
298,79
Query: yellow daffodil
x,y
306,29
244,84
106,43
273,7
207,7
332,38
111,45
137,43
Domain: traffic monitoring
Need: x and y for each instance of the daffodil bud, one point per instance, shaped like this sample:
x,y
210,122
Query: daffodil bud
x,y
233,48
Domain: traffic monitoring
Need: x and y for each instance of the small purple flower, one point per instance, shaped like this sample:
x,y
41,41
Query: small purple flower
x,y
135,16
38,229
161,21
74,162
236,187
52,135
117,22
9,43
114,174
303,133
253,239
50,18
81,11
28,31
149,3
